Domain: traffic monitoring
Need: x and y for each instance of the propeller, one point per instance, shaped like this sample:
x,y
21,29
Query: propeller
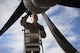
x,y
21,9
18,12
65,45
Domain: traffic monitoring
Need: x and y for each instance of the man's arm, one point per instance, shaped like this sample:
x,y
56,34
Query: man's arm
x,y
23,20
42,32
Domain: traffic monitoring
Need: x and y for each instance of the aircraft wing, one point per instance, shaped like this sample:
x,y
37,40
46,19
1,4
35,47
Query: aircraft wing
x,y
18,12
70,3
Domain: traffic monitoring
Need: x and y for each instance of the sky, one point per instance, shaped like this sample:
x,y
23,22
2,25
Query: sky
x,y
66,19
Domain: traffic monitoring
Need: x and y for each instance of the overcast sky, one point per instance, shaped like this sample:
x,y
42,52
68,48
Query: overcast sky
x,y
66,19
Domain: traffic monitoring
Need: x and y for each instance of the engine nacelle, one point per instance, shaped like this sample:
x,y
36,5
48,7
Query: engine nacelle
x,y
45,3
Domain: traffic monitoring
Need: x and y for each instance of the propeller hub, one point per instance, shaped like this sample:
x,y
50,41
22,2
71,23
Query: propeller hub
x,y
31,7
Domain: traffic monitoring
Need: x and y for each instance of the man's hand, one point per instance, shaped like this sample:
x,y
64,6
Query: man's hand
x,y
29,13
42,34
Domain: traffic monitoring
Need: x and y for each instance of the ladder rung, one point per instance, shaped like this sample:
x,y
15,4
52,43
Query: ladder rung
x,y
32,35
32,44
32,49
32,39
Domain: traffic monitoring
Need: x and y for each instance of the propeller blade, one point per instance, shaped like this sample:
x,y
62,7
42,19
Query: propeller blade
x,y
65,45
18,12
70,3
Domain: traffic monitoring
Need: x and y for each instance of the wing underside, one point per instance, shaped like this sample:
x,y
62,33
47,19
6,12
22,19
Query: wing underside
x,y
70,3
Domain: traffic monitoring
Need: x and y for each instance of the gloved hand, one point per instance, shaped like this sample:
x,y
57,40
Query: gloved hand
x,y
42,34
29,13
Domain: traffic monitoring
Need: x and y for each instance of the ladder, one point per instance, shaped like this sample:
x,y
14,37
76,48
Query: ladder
x,y
32,41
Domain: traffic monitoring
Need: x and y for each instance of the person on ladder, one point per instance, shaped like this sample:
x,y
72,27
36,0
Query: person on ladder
x,y
34,27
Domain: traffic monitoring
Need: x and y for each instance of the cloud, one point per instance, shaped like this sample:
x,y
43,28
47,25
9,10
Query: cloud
x,y
64,21
6,10
10,38
55,49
